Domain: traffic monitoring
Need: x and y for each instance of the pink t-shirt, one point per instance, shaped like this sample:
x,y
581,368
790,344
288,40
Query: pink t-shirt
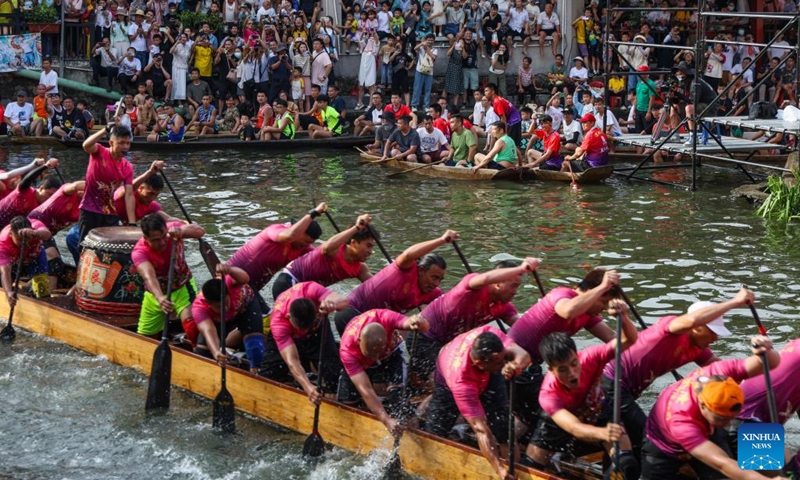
x,y
240,297
392,288
675,424
353,360
263,256
143,253
785,384
541,320
9,253
462,309
656,352
103,177
17,203
316,267
455,368
586,400
142,209
58,212
281,327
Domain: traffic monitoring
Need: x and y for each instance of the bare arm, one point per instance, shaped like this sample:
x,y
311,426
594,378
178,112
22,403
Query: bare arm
x,y
331,246
413,253
364,387
90,144
716,458
502,274
703,316
488,444
571,308
130,204
155,167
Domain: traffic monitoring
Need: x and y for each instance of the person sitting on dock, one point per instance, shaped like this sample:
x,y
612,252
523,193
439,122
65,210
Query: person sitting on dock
x,y
26,197
296,327
504,153
243,318
433,144
34,259
40,116
670,343
70,123
593,151
151,256
551,158
410,281
469,380
476,300
566,310
463,143
169,129
204,119
276,246
331,121
382,133
370,355
18,116
403,143
369,121
340,257
575,415
283,127
687,423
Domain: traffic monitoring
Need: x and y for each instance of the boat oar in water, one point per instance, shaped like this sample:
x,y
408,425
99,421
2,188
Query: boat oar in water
x,y
224,416
417,168
314,446
574,185
158,389
209,256
8,333
773,409
641,322
394,467
616,471
512,390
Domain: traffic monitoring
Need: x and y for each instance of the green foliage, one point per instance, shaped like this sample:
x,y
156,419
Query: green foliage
x,y
194,20
41,14
783,202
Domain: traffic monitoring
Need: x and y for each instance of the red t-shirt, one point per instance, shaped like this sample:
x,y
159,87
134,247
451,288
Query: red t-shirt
x,y
58,212
316,267
595,144
18,202
444,126
142,209
280,324
240,297
103,177
9,253
585,401
403,110
353,360
142,252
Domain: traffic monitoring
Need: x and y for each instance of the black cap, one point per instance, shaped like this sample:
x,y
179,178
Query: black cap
x,y
314,230
388,116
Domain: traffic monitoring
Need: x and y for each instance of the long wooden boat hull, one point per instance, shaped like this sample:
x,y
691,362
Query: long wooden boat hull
x,y
354,430
592,175
210,143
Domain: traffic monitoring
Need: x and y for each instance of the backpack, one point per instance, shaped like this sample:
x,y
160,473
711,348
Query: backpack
x,y
763,110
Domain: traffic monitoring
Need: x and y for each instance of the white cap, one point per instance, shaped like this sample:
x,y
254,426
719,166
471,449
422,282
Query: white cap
x,y
717,325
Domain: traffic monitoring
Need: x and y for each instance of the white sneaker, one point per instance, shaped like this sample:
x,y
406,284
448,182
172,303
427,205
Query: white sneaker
x,y
360,106
689,140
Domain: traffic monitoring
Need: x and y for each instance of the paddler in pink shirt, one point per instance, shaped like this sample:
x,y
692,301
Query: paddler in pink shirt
x,y
34,260
479,298
686,425
370,354
469,381
339,258
27,196
412,280
576,414
296,325
146,189
667,345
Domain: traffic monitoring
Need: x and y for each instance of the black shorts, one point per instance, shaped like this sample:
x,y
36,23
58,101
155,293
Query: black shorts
x,y
548,32
580,165
512,34
400,83
549,436
425,355
443,412
390,372
657,465
515,132
88,221
251,320
341,319
159,90
526,405
283,282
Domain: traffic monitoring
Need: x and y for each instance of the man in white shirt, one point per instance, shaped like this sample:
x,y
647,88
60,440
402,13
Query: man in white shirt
x,y
265,10
518,26
572,133
104,63
18,115
433,143
48,77
423,79
612,125
130,71
547,24
779,49
136,35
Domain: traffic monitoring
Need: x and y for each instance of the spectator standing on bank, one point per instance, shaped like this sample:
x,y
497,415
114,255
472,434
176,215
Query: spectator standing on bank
x,y
181,52
454,77
119,32
423,79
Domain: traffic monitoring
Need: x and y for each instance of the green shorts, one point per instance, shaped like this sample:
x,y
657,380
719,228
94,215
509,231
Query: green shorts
x,y
151,318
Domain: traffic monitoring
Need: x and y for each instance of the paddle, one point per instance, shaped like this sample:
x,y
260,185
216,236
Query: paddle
x,y
512,389
380,244
416,168
161,371
393,468
314,446
333,222
616,472
773,410
209,256
60,177
8,333
574,184
469,270
641,322
539,283
224,417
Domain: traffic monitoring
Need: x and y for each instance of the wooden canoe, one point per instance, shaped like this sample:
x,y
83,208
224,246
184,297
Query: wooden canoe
x,y
592,175
421,454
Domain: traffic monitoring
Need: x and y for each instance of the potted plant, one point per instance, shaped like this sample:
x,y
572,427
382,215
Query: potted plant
x,y
42,19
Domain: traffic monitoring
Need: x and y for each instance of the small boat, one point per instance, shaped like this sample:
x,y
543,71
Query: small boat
x,y
213,142
348,428
593,175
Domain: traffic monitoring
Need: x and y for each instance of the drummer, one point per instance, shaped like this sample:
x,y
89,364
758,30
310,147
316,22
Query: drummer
x,y
34,261
151,256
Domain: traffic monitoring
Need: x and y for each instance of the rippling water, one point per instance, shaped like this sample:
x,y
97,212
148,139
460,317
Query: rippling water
x,y
73,416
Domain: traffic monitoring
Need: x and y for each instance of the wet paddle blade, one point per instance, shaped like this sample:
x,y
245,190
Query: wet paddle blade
x,y
224,412
314,445
394,469
160,378
209,257
8,333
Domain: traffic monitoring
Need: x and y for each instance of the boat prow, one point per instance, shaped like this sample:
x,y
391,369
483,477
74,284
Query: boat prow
x,y
592,175
348,428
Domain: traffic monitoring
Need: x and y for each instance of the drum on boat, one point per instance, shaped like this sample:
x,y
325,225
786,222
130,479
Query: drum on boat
x,y
108,283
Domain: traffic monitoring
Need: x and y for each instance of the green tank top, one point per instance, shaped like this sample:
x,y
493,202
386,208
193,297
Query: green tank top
x,y
289,129
509,152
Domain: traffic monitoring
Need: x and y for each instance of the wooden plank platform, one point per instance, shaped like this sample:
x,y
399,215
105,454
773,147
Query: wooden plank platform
x,y
768,125
732,144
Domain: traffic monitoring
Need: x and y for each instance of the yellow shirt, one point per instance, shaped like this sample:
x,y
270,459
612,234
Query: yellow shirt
x,y
581,27
202,60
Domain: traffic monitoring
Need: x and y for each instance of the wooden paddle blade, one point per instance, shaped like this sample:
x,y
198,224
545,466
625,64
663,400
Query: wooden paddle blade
x,y
224,412
160,378
209,257
314,446
394,470
8,333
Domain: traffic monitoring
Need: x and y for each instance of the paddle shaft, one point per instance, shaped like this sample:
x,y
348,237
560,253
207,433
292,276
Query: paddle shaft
x,y
617,376
333,222
9,325
322,338
539,283
416,168
641,323
222,332
410,363
512,389
175,196
469,270
773,409
380,244
60,177
170,279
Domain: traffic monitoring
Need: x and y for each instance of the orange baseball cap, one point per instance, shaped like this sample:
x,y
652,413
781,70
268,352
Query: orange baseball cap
x,y
723,397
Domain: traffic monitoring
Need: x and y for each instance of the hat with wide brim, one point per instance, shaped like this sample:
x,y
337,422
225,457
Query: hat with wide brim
x,y
640,37
576,59
683,67
139,12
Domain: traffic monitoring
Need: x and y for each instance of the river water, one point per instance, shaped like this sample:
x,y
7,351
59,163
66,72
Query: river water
x,y
71,416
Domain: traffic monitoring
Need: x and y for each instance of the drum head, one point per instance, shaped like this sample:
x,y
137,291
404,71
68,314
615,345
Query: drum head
x,y
116,236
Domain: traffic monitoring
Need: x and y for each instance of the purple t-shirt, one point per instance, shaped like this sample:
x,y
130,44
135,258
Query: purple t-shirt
x,y
392,288
785,384
263,256
585,401
462,309
541,320
656,352
316,267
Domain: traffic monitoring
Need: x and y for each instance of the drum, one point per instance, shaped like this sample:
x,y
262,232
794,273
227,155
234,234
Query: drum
x,y
108,283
